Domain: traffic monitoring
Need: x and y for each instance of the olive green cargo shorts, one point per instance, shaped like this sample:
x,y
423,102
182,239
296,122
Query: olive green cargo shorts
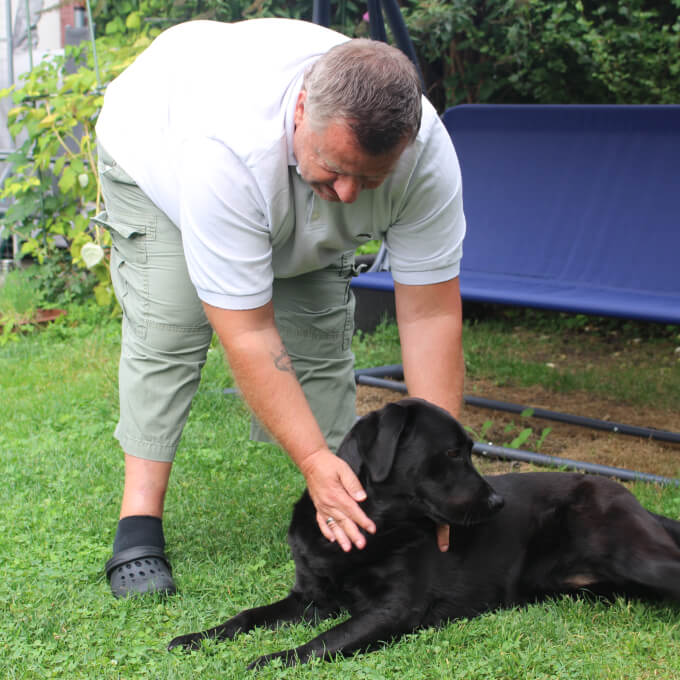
x,y
166,335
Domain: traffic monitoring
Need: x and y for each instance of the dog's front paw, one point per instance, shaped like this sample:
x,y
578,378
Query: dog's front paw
x,y
188,643
288,658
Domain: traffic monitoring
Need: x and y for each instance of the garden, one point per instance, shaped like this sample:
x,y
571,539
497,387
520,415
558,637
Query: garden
x,y
230,499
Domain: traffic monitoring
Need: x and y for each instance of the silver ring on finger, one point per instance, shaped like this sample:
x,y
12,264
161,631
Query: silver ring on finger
x,y
330,521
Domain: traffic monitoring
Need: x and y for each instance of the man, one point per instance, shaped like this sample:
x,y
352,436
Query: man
x,y
241,166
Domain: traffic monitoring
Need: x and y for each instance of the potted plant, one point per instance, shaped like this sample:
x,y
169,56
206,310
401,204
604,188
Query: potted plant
x,y
20,304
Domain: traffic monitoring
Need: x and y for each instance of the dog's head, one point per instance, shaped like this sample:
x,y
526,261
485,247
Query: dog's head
x,y
414,457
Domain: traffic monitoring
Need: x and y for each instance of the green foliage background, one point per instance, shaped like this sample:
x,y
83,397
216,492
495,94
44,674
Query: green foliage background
x,y
547,52
513,51
53,189
540,51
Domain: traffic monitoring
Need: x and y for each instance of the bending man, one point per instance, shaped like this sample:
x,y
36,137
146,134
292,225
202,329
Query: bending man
x,y
241,165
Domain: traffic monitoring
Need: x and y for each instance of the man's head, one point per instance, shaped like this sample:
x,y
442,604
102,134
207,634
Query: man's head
x,y
360,106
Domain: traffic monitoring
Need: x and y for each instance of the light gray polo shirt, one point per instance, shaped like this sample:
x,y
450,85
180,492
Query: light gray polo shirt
x,y
203,122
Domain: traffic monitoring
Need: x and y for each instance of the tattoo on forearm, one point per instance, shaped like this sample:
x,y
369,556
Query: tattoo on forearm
x,y
282,361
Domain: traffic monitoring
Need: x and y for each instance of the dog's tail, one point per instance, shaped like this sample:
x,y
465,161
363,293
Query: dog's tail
x,y
670,525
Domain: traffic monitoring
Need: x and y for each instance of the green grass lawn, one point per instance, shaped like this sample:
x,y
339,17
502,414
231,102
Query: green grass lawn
x,y
636,363
228,509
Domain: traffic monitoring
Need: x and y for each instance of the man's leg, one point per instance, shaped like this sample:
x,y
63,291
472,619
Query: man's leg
x,y
165,339
146,482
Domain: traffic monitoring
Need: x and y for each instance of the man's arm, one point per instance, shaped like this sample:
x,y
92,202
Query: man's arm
x,y
265,376
431,333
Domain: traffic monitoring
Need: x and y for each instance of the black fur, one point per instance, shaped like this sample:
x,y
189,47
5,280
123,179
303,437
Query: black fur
x,y
515,538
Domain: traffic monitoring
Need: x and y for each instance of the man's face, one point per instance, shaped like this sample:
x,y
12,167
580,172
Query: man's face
x,y
332,162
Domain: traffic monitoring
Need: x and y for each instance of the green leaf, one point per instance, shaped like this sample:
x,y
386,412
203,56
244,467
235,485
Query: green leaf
x,y
103,294
116,25
59,165
68,180
486,426
133,21
544,433
521,438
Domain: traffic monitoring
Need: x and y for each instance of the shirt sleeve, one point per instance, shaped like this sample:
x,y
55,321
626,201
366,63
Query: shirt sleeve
x,y
425,242
226,238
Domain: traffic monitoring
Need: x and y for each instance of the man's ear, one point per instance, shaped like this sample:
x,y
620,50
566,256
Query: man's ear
x,y
372,442
300,108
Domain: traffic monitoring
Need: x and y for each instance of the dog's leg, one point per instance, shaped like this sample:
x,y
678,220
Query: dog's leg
x,y
647,554
290,609
360,633
657,565
670,525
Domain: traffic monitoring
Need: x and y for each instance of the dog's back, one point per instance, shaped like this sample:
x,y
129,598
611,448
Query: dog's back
x,y
562,532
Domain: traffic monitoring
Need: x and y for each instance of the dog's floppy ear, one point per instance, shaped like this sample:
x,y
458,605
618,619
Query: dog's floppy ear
x,y
373,441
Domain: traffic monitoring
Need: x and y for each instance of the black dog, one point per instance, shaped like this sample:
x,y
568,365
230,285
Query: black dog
x,y
524,537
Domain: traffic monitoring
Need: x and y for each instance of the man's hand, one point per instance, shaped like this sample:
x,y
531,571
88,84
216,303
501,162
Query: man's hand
x,y
335,492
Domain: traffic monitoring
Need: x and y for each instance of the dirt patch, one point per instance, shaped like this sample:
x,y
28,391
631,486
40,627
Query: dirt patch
x,y
566,441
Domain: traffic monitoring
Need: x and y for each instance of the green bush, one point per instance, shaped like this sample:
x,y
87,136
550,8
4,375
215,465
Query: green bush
x,y
19,297
53,189
540,51
114,17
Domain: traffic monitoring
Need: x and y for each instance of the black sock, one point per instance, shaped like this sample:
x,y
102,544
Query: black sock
x,y
139,530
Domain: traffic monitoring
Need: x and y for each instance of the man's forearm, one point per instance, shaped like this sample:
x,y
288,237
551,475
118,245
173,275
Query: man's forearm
x,y
430,329
264,373
431,333
435,370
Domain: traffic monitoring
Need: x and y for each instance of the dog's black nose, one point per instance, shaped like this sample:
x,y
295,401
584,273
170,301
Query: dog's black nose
x,y
495,502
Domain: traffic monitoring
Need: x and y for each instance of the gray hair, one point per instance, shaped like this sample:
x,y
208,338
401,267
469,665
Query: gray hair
x,y
372,87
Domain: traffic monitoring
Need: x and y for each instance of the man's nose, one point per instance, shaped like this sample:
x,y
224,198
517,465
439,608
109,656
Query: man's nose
x,y
347,188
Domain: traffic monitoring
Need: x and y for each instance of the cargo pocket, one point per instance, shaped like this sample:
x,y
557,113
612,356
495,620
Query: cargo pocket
x,y
129,255
128,234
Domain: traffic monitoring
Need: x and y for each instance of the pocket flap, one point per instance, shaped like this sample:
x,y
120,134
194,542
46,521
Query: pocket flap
x,y
126,229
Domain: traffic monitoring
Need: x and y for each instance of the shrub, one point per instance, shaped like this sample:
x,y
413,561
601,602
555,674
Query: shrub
x,y
53,189
114,17
541,51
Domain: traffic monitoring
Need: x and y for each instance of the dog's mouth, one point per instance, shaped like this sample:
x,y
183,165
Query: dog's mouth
x,y
466,518
470,519
466,515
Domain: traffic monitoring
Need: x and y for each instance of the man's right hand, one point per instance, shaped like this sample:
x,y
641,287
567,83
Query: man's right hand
x,y
336,492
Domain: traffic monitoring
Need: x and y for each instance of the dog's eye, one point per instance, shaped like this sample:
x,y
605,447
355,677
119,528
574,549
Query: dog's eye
x,y
453,453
